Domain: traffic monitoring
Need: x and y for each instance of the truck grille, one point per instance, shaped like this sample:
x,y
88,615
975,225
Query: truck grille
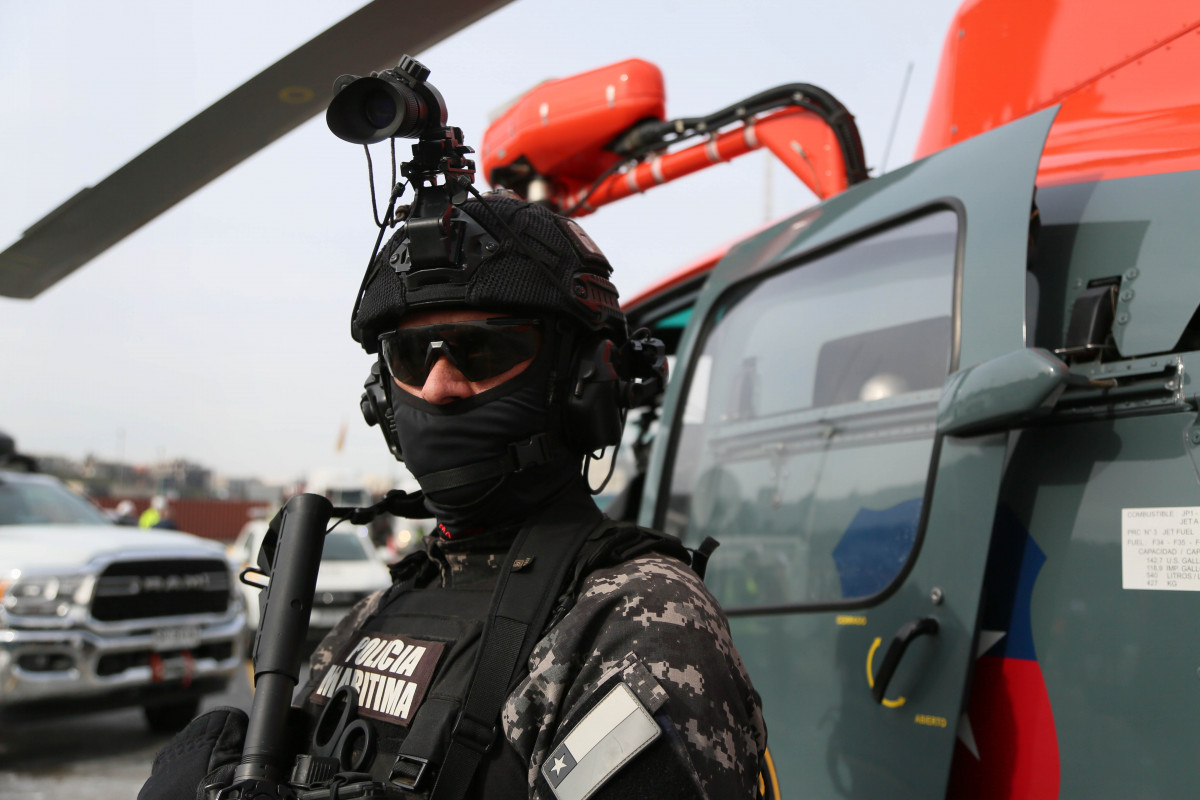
x,y
161,588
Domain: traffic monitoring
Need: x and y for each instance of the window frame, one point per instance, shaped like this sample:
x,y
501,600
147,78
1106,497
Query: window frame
x,y
744,285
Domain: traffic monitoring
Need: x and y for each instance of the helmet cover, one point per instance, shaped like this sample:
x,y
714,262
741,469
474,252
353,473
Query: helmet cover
x,y
555,270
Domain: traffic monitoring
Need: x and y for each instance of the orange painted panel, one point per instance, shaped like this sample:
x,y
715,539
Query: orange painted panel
x,y
562,126
1123,71
1141,119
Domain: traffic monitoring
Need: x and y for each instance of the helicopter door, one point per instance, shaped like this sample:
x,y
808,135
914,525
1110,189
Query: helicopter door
x,y
804,438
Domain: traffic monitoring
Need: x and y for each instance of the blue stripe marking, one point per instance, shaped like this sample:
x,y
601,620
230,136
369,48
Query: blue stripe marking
x,y
1008,604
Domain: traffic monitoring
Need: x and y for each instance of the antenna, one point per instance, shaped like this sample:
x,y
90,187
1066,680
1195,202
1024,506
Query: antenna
x,y
896,119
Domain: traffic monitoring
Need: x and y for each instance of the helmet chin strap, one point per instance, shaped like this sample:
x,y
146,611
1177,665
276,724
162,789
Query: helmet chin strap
x,y
539,449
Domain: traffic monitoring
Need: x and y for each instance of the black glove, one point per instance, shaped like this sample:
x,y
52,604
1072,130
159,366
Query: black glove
x,y
212,741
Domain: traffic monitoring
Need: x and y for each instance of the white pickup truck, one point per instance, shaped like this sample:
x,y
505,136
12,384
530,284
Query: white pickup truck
x,y
95,615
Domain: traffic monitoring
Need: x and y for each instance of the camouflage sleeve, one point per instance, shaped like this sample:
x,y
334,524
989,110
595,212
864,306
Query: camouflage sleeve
x,y
651,624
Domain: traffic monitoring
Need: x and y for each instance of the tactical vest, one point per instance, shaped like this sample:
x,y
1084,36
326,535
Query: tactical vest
x,y
433,666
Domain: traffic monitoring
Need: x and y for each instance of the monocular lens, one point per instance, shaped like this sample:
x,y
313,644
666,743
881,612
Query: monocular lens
x,y
379,109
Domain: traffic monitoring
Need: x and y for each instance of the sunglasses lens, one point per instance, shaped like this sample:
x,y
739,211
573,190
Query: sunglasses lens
x,y
405,356
483,353
480,349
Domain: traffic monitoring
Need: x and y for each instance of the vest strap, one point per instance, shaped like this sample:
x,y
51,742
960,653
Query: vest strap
x,y
525,594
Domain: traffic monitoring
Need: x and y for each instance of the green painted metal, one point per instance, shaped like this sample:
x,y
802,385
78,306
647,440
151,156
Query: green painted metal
x,y
1120,666
992,171
814,665
1001,392
1141,230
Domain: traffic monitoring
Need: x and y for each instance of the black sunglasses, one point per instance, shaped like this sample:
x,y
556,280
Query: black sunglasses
x,y
481,349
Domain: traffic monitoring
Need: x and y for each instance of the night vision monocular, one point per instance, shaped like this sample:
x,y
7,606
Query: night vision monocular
x,y
394,103
400,103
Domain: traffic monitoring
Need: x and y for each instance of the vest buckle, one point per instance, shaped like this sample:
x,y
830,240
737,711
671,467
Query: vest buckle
x,y
408,771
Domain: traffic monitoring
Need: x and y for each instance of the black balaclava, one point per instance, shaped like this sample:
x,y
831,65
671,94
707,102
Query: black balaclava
x,y
480,429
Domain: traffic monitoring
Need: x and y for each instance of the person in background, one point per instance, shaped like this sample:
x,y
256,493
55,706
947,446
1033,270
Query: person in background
x,y
154,514
125,513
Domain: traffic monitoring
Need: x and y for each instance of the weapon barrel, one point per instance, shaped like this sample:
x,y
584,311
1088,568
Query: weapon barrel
x,y
282,631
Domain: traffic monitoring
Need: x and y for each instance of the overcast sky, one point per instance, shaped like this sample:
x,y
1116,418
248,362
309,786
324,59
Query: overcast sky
x,y
219,332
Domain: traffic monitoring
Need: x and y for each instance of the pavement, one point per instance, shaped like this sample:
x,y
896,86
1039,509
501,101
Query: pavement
x,y
103,756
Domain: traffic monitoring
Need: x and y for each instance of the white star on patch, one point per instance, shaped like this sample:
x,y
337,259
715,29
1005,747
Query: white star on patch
x,y
560,764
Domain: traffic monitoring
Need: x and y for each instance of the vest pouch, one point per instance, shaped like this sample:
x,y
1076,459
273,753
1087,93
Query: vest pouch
x,y
385,659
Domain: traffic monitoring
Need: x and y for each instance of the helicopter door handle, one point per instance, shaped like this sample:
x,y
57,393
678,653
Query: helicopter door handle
x,y
900,642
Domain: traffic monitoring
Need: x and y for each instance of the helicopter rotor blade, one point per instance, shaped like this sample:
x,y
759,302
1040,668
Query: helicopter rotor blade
x,y
249,118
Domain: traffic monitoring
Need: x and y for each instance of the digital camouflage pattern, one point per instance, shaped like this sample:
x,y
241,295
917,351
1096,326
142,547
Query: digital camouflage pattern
x,y
653,621
650,621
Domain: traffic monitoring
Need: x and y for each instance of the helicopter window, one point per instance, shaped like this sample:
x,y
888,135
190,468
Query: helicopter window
x,y
809,420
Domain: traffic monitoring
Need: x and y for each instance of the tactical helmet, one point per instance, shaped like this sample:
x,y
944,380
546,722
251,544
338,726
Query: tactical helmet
x,y
499,253
494,253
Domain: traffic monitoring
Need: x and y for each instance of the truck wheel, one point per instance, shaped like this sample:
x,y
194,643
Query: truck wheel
x,y
171,717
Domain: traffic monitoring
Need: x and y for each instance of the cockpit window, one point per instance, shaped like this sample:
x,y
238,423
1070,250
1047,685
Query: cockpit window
x,y
809,420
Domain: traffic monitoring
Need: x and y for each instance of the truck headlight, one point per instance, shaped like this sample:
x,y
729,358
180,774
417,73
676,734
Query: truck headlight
x,y
41,595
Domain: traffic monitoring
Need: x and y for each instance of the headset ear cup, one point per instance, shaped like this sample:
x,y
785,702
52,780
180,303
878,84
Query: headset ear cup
x,y
376,406
644,358
593,408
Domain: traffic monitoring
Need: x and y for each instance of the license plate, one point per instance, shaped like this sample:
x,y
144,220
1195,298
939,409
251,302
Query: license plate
x,y
183,637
